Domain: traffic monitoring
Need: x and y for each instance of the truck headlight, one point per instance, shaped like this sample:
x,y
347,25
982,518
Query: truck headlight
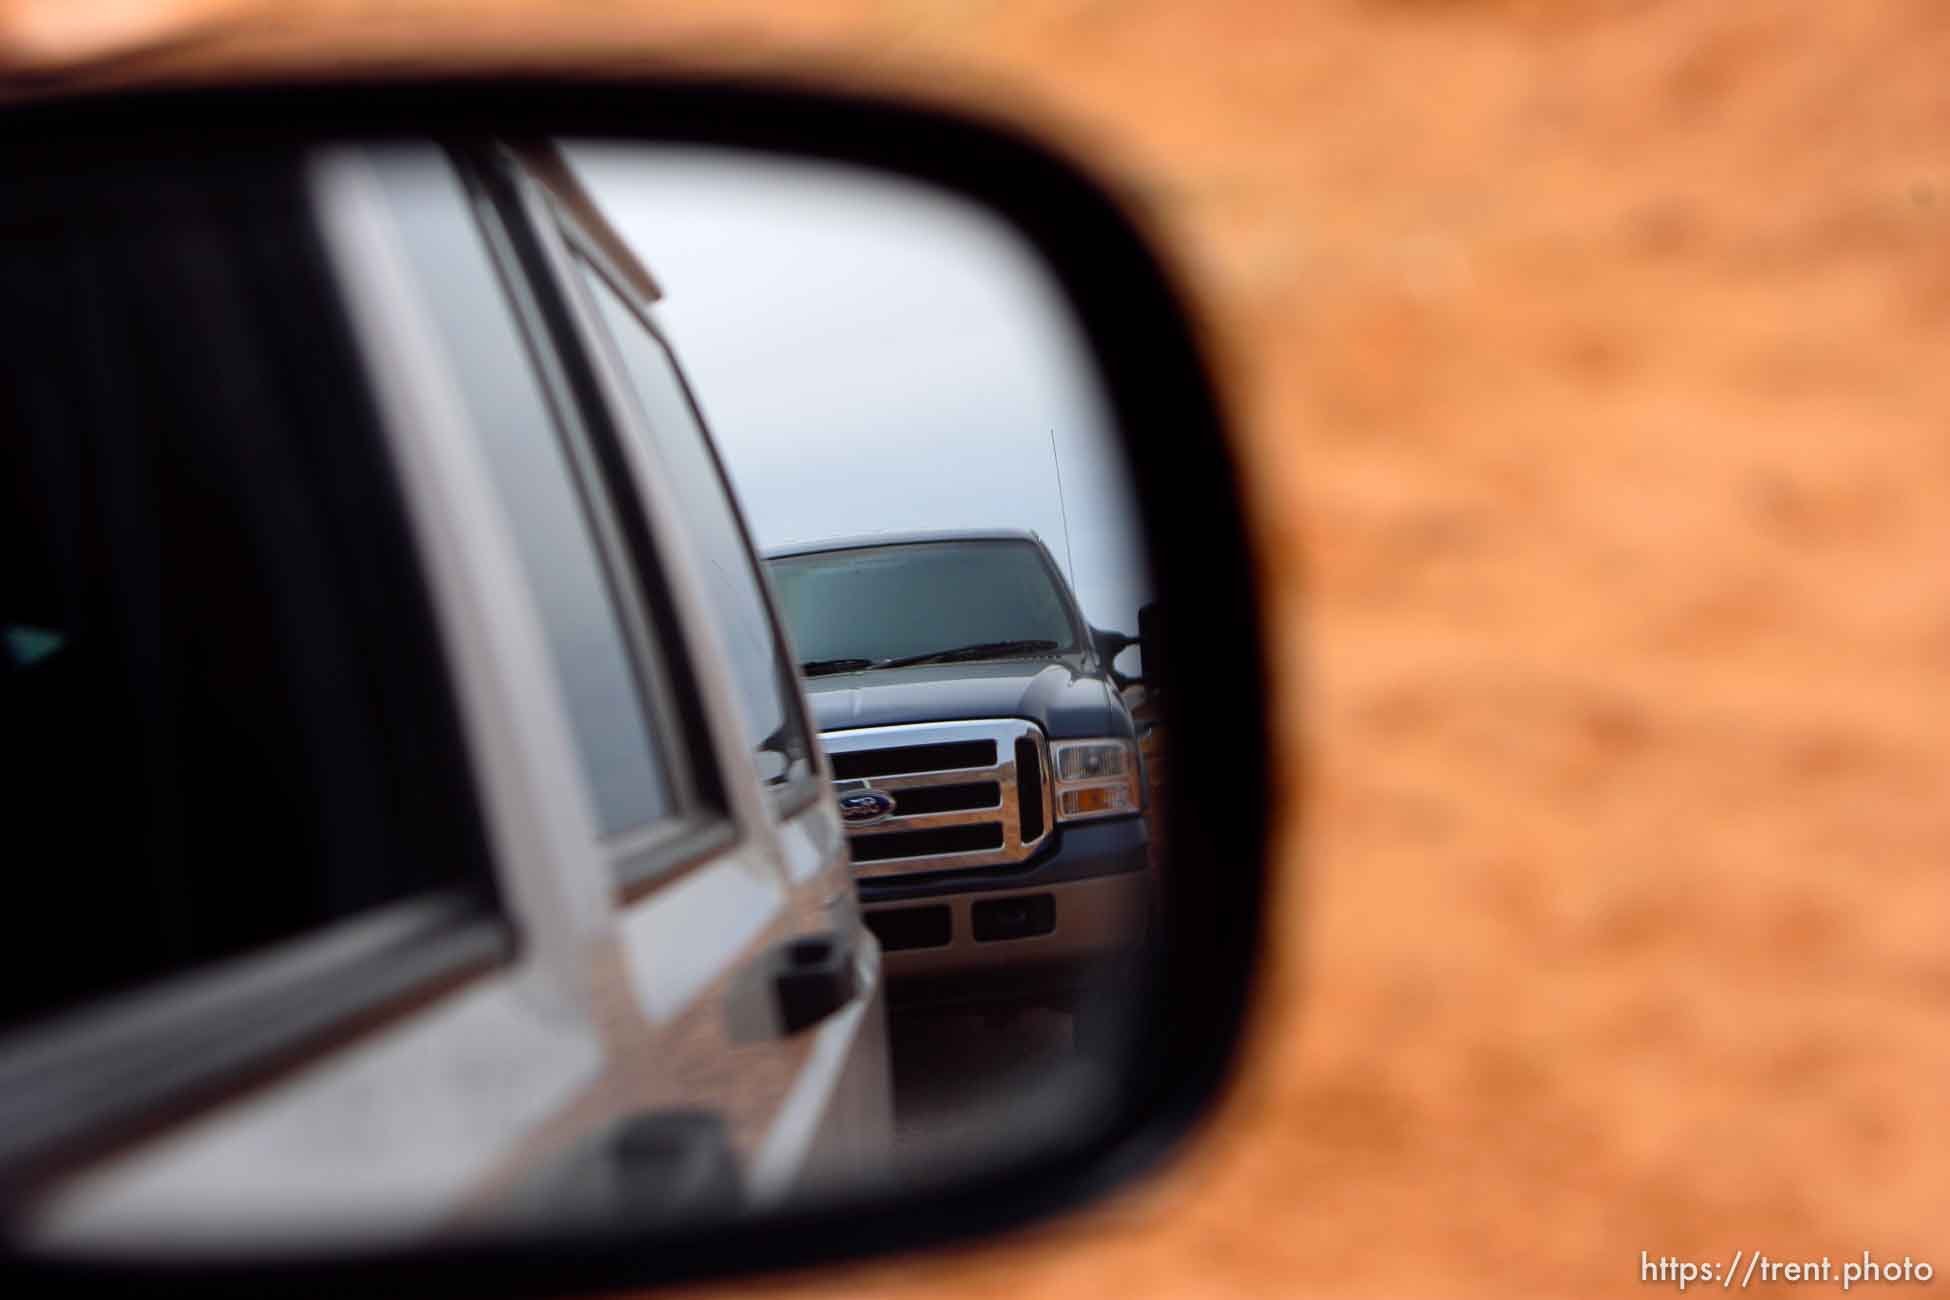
x,y
1095,778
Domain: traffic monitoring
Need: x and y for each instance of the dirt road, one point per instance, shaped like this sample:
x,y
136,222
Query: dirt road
x,y
962,1077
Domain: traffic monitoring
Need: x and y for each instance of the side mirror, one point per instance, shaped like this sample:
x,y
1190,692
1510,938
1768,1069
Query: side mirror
x,y
1151,636
1151,642
1109,645
746,896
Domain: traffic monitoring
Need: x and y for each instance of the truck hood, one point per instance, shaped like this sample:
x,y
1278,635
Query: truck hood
x,y
1065,702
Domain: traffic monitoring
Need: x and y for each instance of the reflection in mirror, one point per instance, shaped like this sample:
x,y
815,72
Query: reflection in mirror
x,y
612,685
912,423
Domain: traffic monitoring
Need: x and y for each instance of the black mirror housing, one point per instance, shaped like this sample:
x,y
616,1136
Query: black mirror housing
x,y
1195,986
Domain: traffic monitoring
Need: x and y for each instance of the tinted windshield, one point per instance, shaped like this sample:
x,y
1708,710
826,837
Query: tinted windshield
x,y
887,602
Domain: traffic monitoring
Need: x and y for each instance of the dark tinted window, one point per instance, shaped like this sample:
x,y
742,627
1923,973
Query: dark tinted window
x,y
511,414
731,578
882,602
220,699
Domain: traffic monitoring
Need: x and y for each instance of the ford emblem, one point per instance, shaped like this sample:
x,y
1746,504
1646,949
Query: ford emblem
x,y
866,808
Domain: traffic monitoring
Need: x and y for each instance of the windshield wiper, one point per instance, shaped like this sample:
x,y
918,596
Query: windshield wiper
x,y
980,650
820,667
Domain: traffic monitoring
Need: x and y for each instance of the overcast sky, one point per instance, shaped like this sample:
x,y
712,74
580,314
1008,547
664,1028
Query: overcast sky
x,y
872,355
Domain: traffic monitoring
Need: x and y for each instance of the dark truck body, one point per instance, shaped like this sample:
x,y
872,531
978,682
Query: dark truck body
x,y
976,887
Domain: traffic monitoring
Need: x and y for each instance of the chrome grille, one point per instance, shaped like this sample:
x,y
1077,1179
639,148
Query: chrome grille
x,y
980,793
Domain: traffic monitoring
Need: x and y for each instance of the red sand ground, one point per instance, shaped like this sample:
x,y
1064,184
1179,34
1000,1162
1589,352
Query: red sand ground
x,y
1590,364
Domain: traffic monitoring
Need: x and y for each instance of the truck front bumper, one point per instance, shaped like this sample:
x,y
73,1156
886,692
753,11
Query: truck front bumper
x,y
1049,927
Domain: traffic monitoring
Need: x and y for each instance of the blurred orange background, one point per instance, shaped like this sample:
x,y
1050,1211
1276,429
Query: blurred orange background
x,y
1589,361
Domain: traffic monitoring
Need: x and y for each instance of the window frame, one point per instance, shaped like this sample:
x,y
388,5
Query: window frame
x,y
119,1068
703,824
793,797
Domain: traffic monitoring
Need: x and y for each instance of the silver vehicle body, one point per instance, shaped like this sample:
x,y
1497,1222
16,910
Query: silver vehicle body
x,y
492,1093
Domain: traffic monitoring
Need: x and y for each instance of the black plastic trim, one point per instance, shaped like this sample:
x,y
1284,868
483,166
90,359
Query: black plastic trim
x,y
906,929
1023,916
1029,790
969,796
813,976
905,760
1114,846
972,837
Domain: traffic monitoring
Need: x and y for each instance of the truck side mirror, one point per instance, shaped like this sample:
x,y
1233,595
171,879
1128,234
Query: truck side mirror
x,y
1109,645
1151,636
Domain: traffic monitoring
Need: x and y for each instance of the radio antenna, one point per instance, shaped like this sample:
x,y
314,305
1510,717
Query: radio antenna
x,y
1063,507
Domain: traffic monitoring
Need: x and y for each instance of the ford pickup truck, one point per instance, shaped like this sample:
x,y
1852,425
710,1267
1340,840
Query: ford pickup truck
x,y
987,766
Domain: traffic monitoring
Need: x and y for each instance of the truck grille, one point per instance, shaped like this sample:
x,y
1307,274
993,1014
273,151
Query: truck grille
x,y
966,794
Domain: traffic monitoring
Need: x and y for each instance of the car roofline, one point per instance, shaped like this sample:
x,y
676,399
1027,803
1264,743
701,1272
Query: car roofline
x,y
861,541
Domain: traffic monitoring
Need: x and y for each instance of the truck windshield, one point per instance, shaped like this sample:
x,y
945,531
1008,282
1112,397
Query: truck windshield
x,y
867,606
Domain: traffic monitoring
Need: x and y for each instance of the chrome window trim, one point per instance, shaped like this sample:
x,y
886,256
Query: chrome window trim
x,y
1005,732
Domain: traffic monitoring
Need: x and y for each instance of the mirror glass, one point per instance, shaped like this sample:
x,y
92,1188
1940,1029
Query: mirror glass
x,y
585,685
